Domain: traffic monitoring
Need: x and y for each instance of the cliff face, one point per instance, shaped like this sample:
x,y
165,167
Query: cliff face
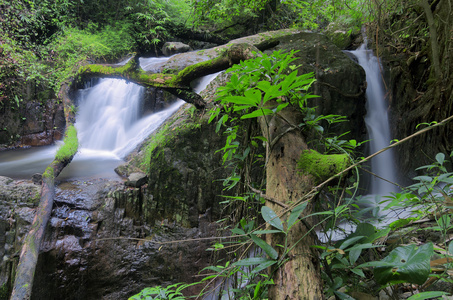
x,y
35,121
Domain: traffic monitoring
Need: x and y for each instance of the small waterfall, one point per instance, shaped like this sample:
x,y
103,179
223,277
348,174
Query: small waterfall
x,y
106,113
377,124
379,134
109,125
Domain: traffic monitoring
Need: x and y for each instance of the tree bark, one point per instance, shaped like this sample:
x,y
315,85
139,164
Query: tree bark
x,y
299,277
435,50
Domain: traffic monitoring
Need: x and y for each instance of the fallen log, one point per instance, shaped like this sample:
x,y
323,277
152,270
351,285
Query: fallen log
x,y
177,84
25,272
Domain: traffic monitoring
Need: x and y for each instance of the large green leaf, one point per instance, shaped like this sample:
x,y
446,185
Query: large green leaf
x,y
271,217
258,113
403,264
427,295
295,213
265,246
251,261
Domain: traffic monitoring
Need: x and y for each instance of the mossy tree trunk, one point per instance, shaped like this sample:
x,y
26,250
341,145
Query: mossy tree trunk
x,y
23,283
300,276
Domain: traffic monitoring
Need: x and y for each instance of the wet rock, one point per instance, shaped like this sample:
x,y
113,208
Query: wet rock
x,y
171,48
111,253
37,178
21,191
125,169
136,179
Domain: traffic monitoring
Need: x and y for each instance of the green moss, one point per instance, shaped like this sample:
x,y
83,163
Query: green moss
x,y
70,146
159,139
322,166
48,173
4,292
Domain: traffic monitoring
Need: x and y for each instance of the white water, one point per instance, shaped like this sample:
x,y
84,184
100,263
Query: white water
x,y
109,127
377,123
379,135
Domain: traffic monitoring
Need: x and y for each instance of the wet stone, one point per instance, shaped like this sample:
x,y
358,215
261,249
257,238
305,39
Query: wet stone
x,y
136,179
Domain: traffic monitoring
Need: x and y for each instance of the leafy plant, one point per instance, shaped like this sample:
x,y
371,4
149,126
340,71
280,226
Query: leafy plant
x,y
171,292
403,264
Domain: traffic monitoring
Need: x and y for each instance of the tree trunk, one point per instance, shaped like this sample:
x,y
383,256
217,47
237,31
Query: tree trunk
x,y
299,277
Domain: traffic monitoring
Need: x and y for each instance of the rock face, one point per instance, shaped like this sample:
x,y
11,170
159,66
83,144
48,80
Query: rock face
x,y
18,200
340,81
36,121
98,244
184,170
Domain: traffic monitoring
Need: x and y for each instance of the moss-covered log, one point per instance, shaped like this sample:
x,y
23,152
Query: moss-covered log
x,y
181,69
177,84
25,273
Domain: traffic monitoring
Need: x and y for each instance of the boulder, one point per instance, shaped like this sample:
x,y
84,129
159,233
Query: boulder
x,y
136,179
171,48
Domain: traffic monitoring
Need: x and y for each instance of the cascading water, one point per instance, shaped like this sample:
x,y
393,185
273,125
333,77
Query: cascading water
x,y
109,127
379,135
377,124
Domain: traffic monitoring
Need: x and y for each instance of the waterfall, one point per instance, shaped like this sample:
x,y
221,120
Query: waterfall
x,y
379,135
377,123
109,125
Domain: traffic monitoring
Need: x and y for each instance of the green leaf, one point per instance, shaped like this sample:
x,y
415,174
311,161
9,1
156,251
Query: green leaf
x,y
251,261
266,231
258,113
254,96
265,246
239,100
358,272
270,217
403,264
440,158
356,250
424,178
350,241
281,106
343,296
238,231
400,223
450,248
427,295
263,266
295,213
